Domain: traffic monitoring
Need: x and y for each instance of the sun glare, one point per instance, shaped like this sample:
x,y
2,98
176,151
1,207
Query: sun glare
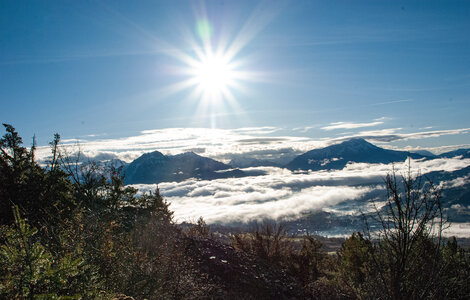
x,y
211,69
213,74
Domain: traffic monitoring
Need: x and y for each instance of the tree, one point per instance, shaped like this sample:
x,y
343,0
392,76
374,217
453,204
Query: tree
x,y
42,195
406,260
269,241
355,264
306,264
18,174
456,278
200,229
28,269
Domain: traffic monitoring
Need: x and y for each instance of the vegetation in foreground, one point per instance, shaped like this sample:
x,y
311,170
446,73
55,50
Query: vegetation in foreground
x,y
74,231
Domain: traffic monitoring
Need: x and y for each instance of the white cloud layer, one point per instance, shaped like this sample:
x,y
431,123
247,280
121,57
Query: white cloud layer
x,y
205,141
282,194
242,143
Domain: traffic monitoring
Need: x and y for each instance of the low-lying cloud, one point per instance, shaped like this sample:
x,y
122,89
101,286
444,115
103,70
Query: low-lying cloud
x,y
284,195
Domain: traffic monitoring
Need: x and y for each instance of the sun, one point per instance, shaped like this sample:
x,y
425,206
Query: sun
x,y
213,74
212,71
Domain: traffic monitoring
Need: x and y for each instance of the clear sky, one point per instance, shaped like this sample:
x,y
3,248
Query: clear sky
x,y
318,69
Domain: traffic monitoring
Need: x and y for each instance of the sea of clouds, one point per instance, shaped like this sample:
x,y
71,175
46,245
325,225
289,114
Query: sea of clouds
x,y
285,195
279,194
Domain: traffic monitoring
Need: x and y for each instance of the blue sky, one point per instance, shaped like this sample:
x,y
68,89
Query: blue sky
x,y
105,68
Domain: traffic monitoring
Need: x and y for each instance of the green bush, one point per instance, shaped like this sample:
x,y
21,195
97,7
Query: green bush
x,y
29,270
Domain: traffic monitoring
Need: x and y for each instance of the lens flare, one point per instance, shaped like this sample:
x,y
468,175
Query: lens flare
x,y
204,29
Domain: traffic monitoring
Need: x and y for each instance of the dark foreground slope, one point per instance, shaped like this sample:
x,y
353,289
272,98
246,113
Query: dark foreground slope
x,y
240,275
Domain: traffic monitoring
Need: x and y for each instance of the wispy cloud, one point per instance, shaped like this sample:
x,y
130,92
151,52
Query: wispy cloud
x,y
393,134
391,102
350,125
303,129
383,119
257,130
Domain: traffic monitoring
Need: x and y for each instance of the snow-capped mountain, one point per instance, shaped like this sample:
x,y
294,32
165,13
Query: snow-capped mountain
x,y
353,150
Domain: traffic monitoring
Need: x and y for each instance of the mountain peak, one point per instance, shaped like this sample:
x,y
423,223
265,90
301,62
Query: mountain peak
x,y
356,141
154,167
187,154
358,144
339,155
153,154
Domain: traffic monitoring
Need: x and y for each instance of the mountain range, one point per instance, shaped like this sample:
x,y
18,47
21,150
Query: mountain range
x,y
155,167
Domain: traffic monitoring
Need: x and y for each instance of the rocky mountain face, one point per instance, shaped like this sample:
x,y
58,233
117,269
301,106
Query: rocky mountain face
x,y
154,167
354,150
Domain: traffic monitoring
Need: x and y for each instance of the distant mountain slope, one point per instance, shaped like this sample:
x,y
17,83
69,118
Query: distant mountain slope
x,y
425,153
465,153
154,167
353,150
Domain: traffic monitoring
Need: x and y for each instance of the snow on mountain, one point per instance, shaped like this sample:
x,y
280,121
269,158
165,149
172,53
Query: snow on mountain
x,y
353,150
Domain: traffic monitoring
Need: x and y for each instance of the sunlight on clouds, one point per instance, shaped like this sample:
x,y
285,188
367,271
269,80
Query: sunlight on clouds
x,y
283,195
215,143
226,144
457,229
250,199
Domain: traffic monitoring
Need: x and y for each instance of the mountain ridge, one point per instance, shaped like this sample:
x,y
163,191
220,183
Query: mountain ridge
x,y
336,156
155,167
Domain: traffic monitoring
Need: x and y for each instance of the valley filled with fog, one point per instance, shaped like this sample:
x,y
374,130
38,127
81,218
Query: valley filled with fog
x,y
284,195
